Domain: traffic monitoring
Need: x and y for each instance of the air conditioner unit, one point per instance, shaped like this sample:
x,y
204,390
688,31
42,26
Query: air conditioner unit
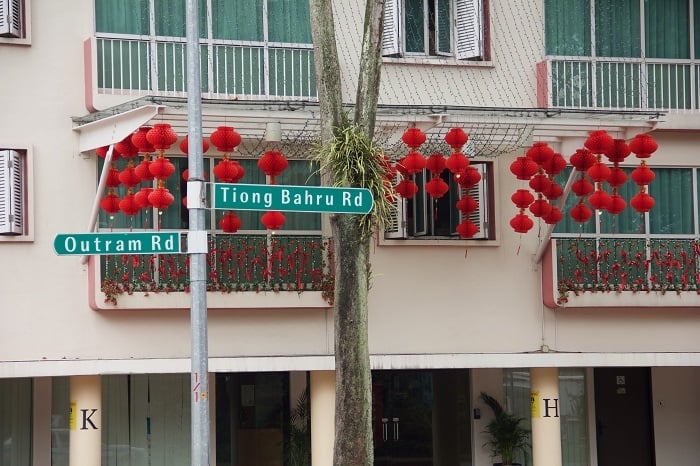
x,y
11,195
11,18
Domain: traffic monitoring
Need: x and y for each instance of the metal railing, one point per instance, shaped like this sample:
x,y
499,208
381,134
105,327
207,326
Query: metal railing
x,y
230,69
622,83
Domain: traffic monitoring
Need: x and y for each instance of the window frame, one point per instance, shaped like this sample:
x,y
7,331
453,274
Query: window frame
x,y
23,35
27,193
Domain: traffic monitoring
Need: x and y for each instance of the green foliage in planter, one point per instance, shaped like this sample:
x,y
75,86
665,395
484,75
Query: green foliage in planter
x,y
506,434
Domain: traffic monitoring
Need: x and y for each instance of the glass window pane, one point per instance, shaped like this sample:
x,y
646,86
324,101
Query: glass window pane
x,y
696,24
567,27
170,18
60,434
15,422
618,30
573,421
288,21
629,221
444,26
125,17
667,28
237,20
414,17
672,189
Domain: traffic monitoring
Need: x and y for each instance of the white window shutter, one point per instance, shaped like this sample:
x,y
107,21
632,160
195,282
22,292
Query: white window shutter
x,y
10,18
396,226
11,199
469,26
478,192
391,35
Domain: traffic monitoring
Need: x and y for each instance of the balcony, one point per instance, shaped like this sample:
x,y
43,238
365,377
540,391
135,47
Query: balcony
x,y
279,264
136,66
587,83
622,272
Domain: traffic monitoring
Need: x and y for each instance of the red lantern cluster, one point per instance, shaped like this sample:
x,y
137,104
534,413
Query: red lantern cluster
x,y
411,163
643,145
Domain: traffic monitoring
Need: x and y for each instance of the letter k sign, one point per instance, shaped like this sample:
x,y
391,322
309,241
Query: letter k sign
x,y
87,419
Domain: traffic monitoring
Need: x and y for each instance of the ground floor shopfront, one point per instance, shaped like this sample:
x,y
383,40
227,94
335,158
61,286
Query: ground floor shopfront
x,y
421,417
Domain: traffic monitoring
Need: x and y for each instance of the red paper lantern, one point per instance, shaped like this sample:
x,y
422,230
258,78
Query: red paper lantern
x,y
553,191
553,217
582,187
617,204
406,188
128,176
161,168
599,142
642,202
555,164
128,205
540,207
160,198
101,152
643,175
141,197
617,177
599,200
619,151
273,220
184,145
161,136
125,148
143,170
467,205
523,168
228,171
457,162
414,162
598,172
110,203
540,153
112,177
580,213
225,139
435,164
468,178
230,223
456,138
582,159
140,140
467,229
413,138
522,198
540,182
643,145
273,163
436,187
521,223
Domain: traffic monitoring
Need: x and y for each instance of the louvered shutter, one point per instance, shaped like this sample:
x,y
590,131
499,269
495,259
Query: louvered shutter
x,y
10,18
391,35
480,216
469,25
11,200
396,226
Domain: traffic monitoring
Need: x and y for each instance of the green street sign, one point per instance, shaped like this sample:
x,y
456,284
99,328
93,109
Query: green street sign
x,y
117,243
236,196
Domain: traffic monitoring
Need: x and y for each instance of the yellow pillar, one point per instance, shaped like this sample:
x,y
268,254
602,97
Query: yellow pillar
x,y
322,391
546,409
85,420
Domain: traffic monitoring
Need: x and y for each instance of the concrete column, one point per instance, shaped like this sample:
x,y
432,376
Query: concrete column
x,y
85,420
322,390
546,409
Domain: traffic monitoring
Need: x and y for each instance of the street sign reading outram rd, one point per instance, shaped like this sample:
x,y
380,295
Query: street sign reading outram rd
x,y
292,198
117,243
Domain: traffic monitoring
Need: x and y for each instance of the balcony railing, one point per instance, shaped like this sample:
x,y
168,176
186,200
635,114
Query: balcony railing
x,y
619,84
230,69
626,264
234,263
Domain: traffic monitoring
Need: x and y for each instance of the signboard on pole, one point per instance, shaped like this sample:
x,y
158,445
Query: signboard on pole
x,y
234,196
86,244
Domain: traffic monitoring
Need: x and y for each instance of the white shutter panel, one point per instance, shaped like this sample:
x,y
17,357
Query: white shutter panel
x,y
469,26
396,226
391,35
478,192
11,200
10,18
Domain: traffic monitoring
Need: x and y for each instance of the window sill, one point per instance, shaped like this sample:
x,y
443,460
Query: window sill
x,y
436,61
25,41
438,242
17,238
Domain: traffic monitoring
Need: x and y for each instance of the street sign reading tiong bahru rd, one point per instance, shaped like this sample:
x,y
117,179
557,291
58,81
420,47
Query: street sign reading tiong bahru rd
x,y
292,198
117,243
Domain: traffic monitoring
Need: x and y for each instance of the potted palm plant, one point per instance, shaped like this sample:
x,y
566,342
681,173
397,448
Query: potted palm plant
x,y
506,434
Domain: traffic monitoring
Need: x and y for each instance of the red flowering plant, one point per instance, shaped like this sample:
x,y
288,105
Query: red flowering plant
x,y
626,264
235,263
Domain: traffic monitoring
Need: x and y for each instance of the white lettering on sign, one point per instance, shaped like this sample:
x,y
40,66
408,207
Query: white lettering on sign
x,y
231,194
306,198
348,200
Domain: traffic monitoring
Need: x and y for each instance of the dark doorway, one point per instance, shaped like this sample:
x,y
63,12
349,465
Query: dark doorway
x,y
624,429
421,418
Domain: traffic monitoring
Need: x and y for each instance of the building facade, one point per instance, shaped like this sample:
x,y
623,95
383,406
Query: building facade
x,y
584,329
